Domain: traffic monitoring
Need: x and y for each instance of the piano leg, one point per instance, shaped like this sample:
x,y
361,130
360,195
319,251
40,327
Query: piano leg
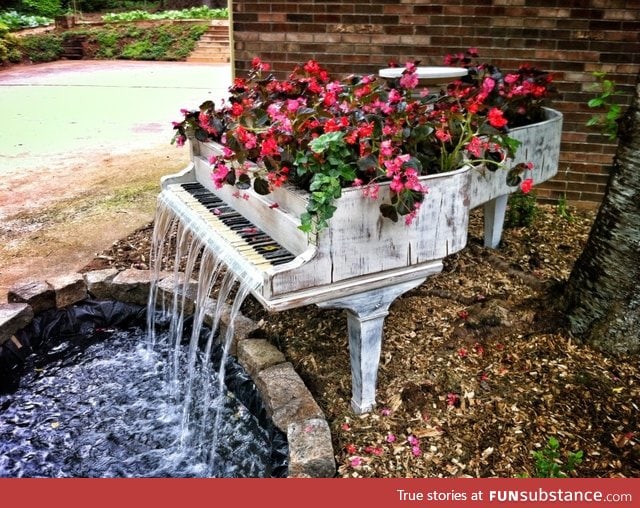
x,y
365,320
494,212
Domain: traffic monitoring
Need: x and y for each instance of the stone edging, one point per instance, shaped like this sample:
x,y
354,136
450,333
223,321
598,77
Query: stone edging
x,y
287,400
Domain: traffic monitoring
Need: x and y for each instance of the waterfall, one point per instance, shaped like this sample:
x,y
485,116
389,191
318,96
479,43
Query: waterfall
x,y
202,288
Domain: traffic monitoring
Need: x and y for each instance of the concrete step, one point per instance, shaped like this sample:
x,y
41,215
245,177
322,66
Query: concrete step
x,y
213,46
209,59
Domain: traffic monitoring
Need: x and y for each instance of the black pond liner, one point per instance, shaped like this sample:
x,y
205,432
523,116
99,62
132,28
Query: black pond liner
x,y
57,334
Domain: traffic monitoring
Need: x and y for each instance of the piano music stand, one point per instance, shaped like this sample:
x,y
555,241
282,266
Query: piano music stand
x,y
432,75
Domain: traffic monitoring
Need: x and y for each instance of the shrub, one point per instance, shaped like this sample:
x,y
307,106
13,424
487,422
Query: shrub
x,y
88,5
163,42
521,211
15,21
192,13
549,463
42,48
9,45
48,8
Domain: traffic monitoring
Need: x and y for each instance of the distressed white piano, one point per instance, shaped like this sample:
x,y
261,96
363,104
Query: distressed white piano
x,y
361,263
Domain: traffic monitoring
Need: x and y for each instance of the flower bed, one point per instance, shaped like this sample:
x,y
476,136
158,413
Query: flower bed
x,y
323,135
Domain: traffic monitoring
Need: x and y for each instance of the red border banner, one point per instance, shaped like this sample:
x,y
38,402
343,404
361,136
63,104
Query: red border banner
x,y
325,493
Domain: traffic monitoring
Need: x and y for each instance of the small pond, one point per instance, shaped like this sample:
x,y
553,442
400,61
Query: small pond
x,y
96,401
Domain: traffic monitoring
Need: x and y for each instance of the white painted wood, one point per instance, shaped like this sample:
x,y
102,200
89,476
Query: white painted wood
x,y
365,320
494,213
540,145
358,241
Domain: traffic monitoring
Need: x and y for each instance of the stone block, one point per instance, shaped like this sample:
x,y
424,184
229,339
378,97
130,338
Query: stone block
x,y
69,289
256,355
132,286
172,285
310,449
99,283
13,317
285,396
40,295
242,328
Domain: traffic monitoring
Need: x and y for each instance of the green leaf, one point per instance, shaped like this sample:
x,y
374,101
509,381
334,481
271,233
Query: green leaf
x,y
230,178
365,164
596,102
243,181
389,212
261,186
201,135
513,176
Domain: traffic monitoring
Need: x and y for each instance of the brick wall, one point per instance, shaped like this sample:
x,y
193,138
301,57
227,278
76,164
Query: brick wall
x,y
571,38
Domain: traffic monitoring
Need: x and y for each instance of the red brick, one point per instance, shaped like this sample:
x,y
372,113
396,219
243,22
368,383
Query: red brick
x,y
571,38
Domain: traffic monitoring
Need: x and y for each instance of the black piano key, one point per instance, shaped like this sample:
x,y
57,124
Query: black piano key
x,y
259,241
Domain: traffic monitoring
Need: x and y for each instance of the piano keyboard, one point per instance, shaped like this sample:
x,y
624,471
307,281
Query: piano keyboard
x,y
243,236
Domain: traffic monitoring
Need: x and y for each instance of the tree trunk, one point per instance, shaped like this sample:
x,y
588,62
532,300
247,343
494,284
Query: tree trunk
x,y
603,291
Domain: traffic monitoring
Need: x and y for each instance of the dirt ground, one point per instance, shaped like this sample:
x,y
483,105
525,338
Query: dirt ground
x,y
477,374
54,222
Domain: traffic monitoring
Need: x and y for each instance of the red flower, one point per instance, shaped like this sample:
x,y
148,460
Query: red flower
x,y
526,185
496,118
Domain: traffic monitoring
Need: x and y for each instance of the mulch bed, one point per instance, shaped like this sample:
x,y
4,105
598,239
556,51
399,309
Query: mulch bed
x,y
476,372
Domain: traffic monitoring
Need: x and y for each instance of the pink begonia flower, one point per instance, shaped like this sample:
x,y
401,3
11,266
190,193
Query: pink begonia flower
x,y
219,174
391,438
356,462
475,147
416,451
452,399
345,426
487,85
386,150
371,190
526,185
394,96
443,135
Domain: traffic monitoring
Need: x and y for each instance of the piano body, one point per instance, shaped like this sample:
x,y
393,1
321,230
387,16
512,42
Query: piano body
x,y
361,263
540,146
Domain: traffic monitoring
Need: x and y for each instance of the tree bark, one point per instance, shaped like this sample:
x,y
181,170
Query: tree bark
x,y
603,290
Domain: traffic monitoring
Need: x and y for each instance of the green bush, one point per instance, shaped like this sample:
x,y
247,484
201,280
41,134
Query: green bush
x,y
9,46
191,13
16,21
126,41
162,42
48,8
521,210
107,41
549,463
42,47
87,5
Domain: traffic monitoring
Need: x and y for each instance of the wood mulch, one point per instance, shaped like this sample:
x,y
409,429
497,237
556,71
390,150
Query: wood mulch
x,y
476,370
